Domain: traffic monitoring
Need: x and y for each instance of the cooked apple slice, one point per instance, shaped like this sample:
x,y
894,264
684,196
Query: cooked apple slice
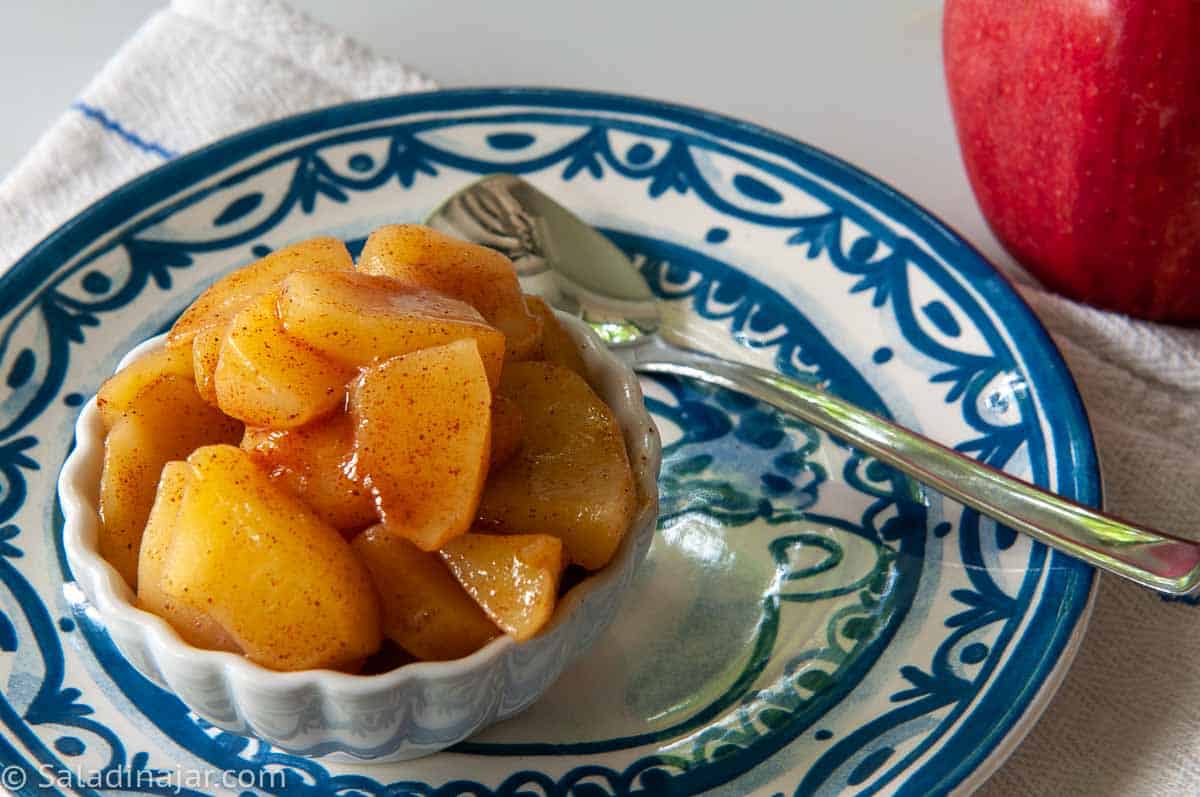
x,y
206,351
482,277
359,319
266,378
507,428
196,627
117,397
316,463
571,477
425,610
513,577
170,420
127,483
225,297
557,345
422,435
285,586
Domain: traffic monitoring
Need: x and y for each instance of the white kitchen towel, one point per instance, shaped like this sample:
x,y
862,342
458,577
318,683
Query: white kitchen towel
x,y
1127,720
196,71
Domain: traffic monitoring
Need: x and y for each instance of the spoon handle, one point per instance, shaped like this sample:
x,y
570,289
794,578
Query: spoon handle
x,y
1150,558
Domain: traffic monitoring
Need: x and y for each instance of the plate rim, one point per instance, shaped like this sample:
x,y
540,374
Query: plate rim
x,y
96,223
1041,701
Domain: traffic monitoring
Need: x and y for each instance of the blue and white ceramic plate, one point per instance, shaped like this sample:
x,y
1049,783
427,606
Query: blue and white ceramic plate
x,y
807,622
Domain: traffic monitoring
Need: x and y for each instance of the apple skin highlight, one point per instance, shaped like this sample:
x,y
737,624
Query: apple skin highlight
x,y
1079,123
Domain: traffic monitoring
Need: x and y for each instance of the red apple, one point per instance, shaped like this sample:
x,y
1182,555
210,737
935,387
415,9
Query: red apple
x,y
1079,122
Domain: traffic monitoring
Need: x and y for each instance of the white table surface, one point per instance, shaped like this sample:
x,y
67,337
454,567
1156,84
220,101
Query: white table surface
x,y
860,78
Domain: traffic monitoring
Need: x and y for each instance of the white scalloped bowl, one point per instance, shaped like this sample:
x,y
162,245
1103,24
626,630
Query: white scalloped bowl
x,y
408,712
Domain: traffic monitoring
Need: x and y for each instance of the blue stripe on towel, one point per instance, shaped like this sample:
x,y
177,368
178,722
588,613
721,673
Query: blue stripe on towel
x,y
108,123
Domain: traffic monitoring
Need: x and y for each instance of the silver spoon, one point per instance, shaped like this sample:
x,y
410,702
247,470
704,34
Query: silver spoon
x,y
578,270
